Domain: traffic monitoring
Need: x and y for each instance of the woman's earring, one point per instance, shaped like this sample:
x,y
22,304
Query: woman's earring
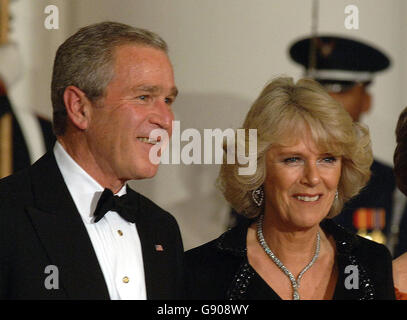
x,y
258,196
336,195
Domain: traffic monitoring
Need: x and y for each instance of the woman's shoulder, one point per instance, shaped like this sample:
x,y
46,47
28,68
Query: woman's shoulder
x,y
211,267
371,261
353,249
353,244
201,252
228,248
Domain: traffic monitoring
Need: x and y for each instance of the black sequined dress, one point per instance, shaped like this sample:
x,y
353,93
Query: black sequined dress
x,y
219,270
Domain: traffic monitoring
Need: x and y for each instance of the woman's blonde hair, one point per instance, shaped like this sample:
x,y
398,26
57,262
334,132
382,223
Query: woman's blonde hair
x,y
280,114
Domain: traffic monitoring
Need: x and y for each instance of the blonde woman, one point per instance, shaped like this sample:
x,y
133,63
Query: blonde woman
x,y
312,158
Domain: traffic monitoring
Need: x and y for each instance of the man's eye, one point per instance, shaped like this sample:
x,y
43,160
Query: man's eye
x,y
169,101
143,98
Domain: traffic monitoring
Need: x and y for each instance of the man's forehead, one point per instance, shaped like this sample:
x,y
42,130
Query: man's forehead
x,y
144,68
131,58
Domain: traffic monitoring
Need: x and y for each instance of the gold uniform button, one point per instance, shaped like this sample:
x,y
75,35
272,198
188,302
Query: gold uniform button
x,y
126,279
120,232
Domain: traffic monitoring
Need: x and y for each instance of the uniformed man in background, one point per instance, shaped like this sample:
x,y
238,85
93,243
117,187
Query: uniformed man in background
x,y
24,135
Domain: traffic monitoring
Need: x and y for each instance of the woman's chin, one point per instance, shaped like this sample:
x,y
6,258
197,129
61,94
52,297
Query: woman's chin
x,y
304,223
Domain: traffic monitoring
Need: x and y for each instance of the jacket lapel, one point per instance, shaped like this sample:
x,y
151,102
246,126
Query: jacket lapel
x,y
63,234
154,260
148,257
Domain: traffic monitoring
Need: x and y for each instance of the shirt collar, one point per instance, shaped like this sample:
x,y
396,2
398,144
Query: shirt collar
x,y
85,191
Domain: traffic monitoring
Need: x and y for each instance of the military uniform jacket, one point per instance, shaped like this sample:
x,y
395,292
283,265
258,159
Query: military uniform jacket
x,y
40,226
20,153
220,268
378,194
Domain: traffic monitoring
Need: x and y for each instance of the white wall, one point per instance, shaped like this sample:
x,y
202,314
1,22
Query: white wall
x,y
37,47
223,53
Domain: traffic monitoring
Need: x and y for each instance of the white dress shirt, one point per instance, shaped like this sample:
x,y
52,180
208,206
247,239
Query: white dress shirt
x,y
116,242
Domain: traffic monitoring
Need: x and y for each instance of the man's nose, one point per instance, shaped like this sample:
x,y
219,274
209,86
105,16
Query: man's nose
x,y
163,116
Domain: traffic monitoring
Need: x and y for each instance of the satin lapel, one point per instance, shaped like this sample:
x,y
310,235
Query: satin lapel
x,y
62,233
155,268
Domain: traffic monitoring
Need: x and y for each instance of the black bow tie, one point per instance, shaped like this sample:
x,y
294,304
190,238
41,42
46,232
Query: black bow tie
x,y
108,202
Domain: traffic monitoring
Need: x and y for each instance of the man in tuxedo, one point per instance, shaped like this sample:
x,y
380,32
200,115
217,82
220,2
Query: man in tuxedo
x,y
70,228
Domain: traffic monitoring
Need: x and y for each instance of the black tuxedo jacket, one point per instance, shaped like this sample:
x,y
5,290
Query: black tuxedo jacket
x,y
40,226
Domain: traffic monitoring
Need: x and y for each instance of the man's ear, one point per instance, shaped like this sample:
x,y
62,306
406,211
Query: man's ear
x,y
78,107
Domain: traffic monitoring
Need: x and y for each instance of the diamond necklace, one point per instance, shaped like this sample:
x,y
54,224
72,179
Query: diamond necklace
x,y
295,283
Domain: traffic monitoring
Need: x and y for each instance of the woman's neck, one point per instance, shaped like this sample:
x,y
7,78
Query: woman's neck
x,y
293,246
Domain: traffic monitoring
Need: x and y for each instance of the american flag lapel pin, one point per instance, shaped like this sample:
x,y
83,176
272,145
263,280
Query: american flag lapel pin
x,y
159,247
